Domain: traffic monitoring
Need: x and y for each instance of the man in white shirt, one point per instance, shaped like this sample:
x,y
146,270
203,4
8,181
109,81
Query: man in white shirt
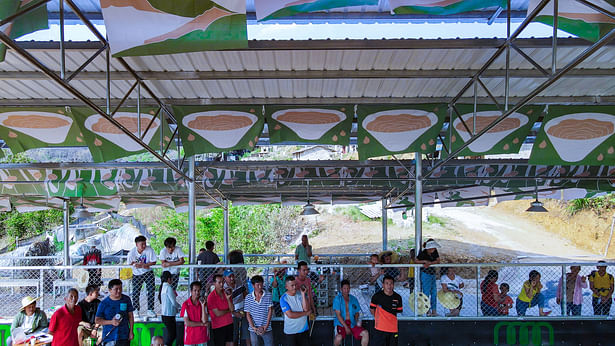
x,y
171,257
142,257
296,310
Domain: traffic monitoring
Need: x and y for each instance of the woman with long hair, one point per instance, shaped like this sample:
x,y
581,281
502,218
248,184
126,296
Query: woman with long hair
x,y
490,294
167,298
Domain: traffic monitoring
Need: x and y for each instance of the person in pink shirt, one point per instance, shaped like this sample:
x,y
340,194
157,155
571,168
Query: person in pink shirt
x,y
195,317
574,291
221,309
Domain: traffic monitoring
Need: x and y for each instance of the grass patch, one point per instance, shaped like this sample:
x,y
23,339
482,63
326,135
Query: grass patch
x,y
434,220
353,213
597,204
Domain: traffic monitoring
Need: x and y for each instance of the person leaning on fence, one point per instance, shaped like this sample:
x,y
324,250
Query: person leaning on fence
x,y
490,295
115,314
385,305
65,321
574,291
259,310
88,329
428,256
278,286
601,284
169,306
238,295
347,313
170,257
220,307
195,317
303,251
531,296
208,256
29,319
296,309
141,258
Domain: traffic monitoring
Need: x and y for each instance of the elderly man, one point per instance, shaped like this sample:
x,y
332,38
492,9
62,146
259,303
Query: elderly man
x,y
29,319
64,322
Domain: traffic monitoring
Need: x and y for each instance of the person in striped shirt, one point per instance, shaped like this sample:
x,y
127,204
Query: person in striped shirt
x,y
259,310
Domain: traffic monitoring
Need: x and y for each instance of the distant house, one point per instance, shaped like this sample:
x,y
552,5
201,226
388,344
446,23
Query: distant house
x,y
316,152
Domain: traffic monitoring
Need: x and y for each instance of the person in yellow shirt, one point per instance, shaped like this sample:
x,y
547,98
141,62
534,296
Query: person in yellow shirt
x,y
410,275
530,296
601,284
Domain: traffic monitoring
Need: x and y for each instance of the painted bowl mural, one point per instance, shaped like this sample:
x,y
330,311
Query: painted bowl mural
x,y
46,127
223,129
397,129
488,140
309,123
574,136
104,128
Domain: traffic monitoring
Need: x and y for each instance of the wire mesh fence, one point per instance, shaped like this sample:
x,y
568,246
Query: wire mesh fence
x,y
447,290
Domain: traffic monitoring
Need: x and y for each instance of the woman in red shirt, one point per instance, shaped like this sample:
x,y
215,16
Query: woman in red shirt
x,y
490,300
195,317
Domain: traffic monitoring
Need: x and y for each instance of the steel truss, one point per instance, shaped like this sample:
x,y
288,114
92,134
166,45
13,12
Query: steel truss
x,y
64,81
551,76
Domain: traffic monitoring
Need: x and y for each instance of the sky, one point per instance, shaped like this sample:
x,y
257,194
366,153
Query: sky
x,y
431,30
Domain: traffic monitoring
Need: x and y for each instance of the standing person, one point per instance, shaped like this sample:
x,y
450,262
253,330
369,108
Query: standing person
x,y
490,295
601,284
303,251
168,301
65,321
278,287
238,294
347,313
206,276
296,310
531,296
93,258
30,319
195,317
115,314
385,306
259,310
89,305
142,257
452,283
303,281
171,257
220,307
574,291
427,257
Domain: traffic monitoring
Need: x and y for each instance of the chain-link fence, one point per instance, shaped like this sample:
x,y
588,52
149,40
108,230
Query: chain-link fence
x,y
447,290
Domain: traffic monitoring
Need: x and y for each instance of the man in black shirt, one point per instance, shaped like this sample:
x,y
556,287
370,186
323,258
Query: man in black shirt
x,y
427,257
385,306
208,256
89,305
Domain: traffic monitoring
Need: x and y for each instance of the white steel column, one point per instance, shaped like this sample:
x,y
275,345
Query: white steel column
x,y
418,203
226,231
66,250
191,213
385,235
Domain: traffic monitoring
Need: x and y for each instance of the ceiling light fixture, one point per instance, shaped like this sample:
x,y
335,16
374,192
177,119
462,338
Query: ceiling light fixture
x,y
309,208
537,206
81,212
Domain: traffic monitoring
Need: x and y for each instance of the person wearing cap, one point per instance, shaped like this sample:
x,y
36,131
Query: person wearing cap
x,y
65,321
238,295
278,287
29,318
220,307
601,284
427,257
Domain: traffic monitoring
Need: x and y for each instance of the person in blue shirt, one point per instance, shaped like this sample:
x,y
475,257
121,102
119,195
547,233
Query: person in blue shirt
x,y
115,314
347,312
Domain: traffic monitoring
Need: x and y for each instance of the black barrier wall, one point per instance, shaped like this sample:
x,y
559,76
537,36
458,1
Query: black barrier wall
x,y
549,331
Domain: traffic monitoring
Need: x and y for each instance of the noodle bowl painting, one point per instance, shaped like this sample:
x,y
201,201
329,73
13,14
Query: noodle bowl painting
x,y
309,123
104,128
397,129
47,127
492,137
574,136
223,129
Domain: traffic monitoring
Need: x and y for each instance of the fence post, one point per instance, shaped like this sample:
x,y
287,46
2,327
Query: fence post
x,y
478,290
563,286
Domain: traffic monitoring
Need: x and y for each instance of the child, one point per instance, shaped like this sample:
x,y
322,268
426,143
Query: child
x,y
373,271
506,300
410,283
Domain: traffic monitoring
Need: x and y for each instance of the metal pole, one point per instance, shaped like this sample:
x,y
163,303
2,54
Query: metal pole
x,y
108,79
226,231
66,250
62,51
384,225
554,44
507,77
191,213
139,110
564,282
477,290
608,244
418,220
